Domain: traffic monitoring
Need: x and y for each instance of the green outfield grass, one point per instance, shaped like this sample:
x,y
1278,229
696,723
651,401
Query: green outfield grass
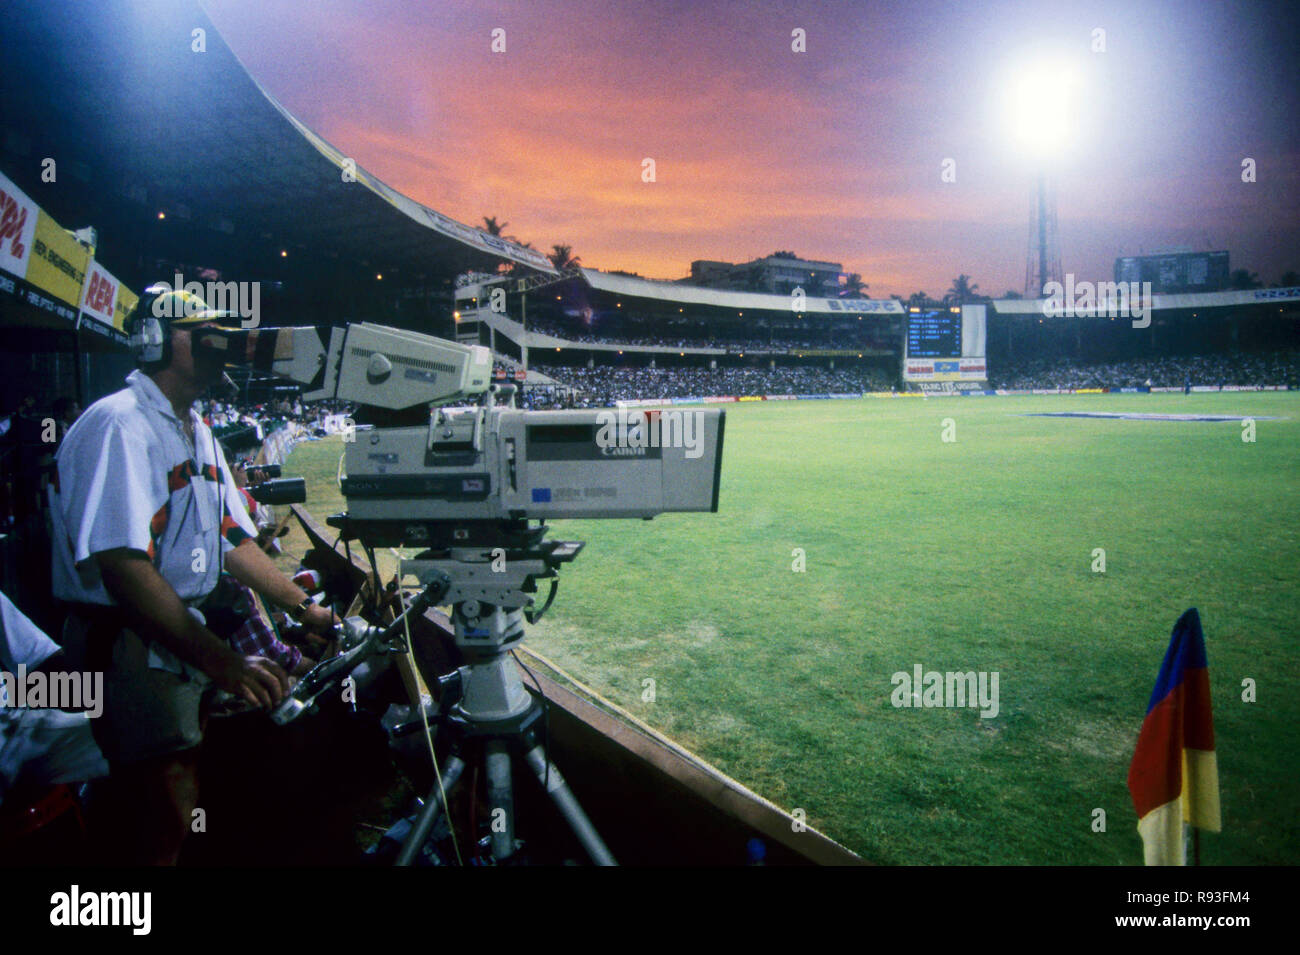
x,y
970,555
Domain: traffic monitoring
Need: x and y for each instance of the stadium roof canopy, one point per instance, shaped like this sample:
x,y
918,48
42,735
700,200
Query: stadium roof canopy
x,y
139,121
1182,302
680,293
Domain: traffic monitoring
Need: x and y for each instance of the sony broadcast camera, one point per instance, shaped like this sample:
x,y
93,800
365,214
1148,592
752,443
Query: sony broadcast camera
x,y
467,474
471,487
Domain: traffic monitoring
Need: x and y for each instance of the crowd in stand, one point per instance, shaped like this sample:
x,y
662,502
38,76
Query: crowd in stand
x,y
227,418
714,338
579,387
604,385
1233,369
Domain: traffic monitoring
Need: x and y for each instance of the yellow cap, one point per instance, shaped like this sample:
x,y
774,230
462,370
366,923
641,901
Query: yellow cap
x,y
179,306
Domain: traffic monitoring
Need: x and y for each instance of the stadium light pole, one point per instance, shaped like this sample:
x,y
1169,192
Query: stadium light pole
x,y
1042,231
1041,112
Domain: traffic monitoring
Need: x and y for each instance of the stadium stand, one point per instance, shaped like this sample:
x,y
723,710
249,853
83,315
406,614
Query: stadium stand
x,y
1233,369
605,385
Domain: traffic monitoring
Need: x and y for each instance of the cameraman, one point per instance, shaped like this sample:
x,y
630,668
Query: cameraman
x,y
145,516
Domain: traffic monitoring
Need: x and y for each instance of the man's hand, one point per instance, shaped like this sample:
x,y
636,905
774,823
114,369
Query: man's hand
x,y
256,679
319,619
249,565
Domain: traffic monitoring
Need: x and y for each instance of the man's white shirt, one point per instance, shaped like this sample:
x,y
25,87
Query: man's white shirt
x,y
127,477
47,745
22,643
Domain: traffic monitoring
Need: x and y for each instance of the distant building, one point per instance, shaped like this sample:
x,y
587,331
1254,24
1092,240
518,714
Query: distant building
x,y
1175,272
778,274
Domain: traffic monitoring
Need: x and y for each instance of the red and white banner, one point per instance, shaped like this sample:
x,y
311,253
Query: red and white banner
x,y
17,227
100,293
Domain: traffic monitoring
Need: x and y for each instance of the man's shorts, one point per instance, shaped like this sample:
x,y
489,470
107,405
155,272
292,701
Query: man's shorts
x,y
148,712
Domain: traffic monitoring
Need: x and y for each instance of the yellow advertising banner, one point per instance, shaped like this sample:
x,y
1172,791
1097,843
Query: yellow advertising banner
x,y
58,262
126,300
60,273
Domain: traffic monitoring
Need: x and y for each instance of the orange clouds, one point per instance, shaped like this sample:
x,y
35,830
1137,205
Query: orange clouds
x,y
835,153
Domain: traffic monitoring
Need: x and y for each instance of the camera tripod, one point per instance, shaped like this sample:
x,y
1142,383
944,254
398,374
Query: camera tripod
x,y
483,705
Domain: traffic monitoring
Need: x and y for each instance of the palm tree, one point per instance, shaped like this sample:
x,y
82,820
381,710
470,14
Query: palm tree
x,y
1289,278
492,227
963,290
1012,293
853,286
562,257
919,299
1243,279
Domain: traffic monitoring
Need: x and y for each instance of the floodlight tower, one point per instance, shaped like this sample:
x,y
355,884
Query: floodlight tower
x,y
1043,121
1043,258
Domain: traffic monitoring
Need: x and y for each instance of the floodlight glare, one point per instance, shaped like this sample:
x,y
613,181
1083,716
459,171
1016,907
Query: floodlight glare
x,y
1042,107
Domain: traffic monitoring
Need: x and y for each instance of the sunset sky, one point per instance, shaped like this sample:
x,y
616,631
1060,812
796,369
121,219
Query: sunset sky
x,y
835,153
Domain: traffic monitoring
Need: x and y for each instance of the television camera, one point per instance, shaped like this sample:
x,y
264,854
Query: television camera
x,y
267,486
472,485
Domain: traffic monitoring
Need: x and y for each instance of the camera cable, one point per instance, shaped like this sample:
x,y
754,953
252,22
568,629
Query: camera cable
x,y
428,733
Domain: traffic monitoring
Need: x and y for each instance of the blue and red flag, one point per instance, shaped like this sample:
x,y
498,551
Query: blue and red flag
x,y
1174,776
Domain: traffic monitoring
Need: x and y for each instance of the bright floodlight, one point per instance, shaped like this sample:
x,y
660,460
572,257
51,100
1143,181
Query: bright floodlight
x,y
1042,107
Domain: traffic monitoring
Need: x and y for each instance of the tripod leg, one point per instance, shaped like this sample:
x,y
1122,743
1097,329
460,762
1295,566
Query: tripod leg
x,y
500,798
549,776
429,814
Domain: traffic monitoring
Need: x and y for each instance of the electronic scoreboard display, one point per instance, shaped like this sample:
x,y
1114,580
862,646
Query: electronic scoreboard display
x,y
1176,272
934,333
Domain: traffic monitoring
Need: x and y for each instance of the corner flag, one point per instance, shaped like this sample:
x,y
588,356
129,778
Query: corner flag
x,y
1174,776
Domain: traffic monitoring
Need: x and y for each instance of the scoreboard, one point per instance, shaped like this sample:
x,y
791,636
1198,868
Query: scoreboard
x,y
934,333
1176,272
945,345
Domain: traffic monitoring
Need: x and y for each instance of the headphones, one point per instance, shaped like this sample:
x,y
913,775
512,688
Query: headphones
x,y
149,326
148,336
